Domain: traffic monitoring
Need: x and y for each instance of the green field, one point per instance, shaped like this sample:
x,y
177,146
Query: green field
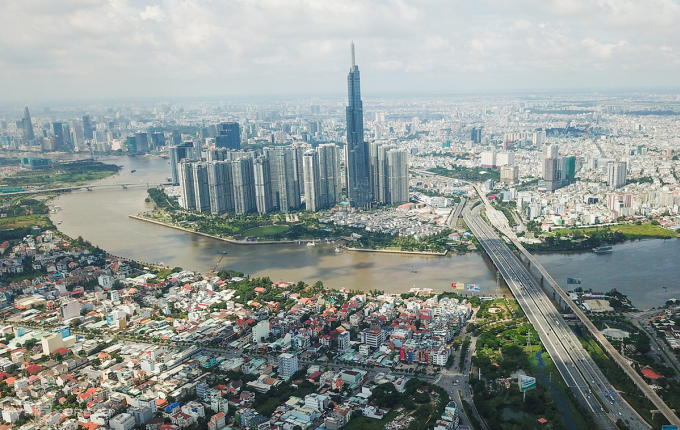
x,y
264,231
25,221
632,231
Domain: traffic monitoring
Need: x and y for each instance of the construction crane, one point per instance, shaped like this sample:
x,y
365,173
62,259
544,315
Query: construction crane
x,y
218,263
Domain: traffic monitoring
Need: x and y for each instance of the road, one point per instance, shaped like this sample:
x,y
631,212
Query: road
x,y
571,360
660,346
499,221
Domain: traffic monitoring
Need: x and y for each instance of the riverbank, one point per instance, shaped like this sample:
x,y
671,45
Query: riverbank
x,y
224,239
394,251
282,242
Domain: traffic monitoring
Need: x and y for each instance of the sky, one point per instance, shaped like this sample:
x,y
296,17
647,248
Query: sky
x,y
96,49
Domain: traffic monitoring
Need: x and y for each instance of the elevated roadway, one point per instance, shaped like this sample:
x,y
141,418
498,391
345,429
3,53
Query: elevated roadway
x,y
499,221
571,360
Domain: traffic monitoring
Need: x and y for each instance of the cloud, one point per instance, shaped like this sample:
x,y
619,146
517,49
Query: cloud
x,y
107,48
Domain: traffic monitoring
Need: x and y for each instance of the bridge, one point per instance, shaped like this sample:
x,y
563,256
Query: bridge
x,y
580,358
91,187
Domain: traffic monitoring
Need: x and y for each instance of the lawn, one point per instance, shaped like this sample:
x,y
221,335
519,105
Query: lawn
x,y
264,231
632,231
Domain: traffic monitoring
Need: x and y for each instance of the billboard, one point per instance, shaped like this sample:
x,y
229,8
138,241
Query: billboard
x,y
473,287
669,427
573,281
526,383
458,285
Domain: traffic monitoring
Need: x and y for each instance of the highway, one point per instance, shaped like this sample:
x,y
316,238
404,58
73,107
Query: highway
x,y
499,221
572,361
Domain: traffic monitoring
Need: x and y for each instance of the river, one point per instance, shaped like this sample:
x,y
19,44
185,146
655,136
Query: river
x,y
638,269
102,218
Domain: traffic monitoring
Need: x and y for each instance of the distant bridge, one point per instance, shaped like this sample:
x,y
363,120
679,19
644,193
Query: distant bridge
x,y
91,187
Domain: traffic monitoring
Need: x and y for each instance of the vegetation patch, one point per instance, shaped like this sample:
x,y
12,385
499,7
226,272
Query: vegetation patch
x,y
266,230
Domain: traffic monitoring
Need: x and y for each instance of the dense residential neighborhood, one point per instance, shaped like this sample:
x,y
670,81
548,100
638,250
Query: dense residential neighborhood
x,y
94,341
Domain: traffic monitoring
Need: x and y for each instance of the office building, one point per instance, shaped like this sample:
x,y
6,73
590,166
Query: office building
x,y
27,125
488,159
87,127
567,166
220,185
70,310
228,136
358,170
175,137
157,140
243,186
142,142
616,174
58,133
476,135
314,200
510,174
288,364
263,189
131,145
285,177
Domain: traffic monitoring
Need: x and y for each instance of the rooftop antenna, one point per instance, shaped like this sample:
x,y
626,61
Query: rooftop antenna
x,y
353,55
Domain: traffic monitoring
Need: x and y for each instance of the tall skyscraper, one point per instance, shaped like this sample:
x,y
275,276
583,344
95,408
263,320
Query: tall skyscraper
x,y
87,127
201,188
616,174
329,173
220,182
185,177
244,186
358,170
185,150
27,125
58,132
263,189
397,168
285,178
228,136
142,141
313,195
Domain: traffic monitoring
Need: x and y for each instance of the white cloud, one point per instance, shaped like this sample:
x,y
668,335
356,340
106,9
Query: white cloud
x,y
94,48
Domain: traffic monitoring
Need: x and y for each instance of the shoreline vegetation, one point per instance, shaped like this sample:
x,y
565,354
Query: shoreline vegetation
x,y
295,227
59,174
282,242
586,239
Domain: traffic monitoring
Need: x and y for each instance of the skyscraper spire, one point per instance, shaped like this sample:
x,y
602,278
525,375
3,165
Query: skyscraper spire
x,y
358,179
352,55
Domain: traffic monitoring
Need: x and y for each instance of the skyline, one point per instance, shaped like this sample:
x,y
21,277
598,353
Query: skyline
x,y
136,49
